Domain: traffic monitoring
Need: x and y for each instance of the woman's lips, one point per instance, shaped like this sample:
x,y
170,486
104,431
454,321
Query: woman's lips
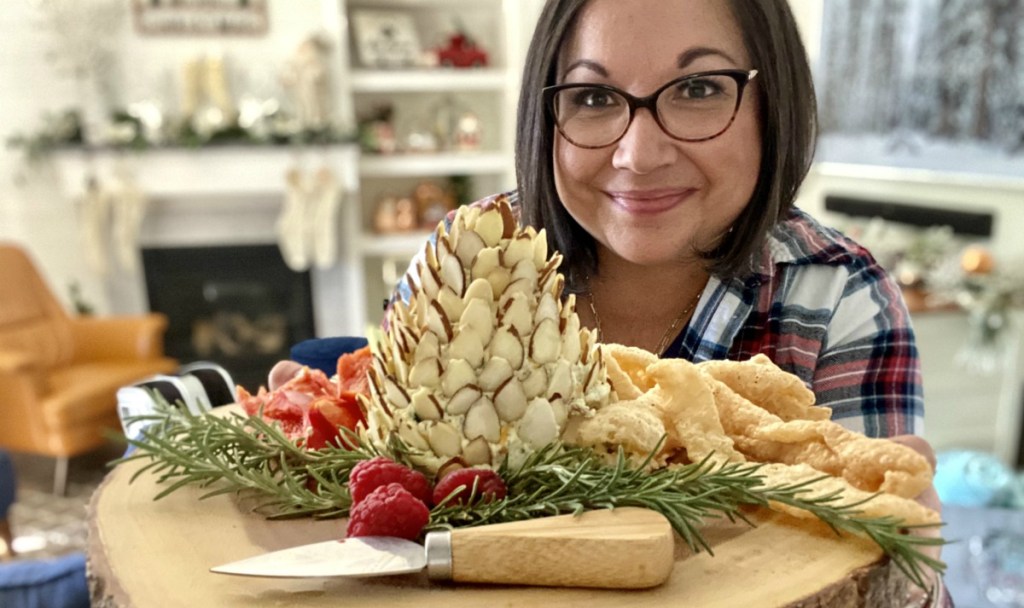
x,y
647,202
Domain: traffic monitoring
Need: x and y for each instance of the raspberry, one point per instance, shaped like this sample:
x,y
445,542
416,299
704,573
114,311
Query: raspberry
x,y
489,487
390,510
369,475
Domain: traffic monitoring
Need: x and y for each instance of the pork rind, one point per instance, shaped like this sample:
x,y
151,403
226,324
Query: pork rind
x,y
627,369
872,465
910,511
633,425
688,411
769,386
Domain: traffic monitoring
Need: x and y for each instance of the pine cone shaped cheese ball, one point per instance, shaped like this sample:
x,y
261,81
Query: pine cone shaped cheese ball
x,y
486,359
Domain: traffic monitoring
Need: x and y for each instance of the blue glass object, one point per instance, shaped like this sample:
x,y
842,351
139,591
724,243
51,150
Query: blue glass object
x,y
323,353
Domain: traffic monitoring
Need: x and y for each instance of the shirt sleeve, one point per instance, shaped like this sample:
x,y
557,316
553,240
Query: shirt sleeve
x,y
869,370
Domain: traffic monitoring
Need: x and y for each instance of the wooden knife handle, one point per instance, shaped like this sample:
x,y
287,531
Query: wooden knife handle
x,y
624,548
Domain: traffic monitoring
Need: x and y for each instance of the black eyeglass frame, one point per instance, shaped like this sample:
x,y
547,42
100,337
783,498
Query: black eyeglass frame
x,y
742,78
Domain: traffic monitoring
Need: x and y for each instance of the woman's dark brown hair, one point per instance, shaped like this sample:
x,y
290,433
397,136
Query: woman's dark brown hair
x,y
788,132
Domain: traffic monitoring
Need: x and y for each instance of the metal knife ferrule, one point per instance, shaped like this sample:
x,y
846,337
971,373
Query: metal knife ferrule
x,y
438,546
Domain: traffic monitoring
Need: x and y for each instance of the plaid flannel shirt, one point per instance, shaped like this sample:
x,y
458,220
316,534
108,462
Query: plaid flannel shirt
x,y
820,307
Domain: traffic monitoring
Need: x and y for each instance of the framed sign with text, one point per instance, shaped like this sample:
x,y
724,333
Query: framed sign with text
x,y
200,17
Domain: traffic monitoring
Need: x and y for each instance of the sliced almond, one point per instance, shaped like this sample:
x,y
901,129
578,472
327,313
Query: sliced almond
x,y
538,427
450,302
510,400
428,347
480,288
412,437
430,281
499,278
547,308
395,394
496,371
452,465
458,374
545,343
467,245
508,219
444,440
571,340
464,398
478,318
453,274
482,421
485,262
467,345
520,249
507,345
425,373
425,405
535,382
516,314
540,248
437,322
490,227
560,383
476,452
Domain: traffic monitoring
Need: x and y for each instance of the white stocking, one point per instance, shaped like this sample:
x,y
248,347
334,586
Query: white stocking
x,y
129,207
95,211
324,219
291,224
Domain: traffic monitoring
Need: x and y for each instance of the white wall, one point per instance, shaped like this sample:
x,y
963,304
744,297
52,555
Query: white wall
x,y
34,210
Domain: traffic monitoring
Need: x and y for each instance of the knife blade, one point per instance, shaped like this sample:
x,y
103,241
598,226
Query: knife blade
x,y
624,548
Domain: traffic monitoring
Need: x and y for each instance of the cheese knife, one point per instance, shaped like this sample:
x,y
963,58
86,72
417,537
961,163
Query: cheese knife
x,y
624,548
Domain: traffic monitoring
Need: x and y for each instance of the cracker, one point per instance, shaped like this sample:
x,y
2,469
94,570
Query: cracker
x,y
633,425
633,362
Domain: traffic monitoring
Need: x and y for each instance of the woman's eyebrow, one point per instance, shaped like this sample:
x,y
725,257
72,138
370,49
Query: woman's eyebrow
x,y
586,63
690,55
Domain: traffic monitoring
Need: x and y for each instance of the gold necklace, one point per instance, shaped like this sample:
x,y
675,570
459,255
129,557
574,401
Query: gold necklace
x,y
665,337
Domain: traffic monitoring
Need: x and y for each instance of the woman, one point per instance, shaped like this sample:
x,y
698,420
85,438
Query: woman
x,y
661,144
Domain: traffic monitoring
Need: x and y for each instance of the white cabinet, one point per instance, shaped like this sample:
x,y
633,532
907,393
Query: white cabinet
x,y
417,96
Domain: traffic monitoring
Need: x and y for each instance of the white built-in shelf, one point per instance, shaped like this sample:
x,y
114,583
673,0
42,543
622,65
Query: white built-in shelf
x,y
447,163
428,80
404,245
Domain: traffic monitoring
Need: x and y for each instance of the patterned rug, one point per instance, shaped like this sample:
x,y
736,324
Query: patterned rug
x,y
46,525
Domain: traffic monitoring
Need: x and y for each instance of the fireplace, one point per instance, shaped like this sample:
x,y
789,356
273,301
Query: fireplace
x,y
239,306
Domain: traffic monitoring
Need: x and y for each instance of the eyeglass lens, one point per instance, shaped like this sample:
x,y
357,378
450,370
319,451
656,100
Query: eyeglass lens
x,y
690,109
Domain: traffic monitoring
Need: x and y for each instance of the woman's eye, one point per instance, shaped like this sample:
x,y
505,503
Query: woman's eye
x,y
593,98
698,89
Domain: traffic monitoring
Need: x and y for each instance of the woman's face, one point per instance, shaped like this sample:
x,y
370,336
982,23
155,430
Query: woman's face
x,y
648,198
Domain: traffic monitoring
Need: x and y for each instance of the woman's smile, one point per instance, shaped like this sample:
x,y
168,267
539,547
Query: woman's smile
x,y
649,202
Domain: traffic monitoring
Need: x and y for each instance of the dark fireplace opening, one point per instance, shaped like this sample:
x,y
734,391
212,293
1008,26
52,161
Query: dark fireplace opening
x,y
238,306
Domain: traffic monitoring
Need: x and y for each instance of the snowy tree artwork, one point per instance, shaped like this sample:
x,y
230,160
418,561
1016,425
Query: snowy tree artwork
x,y
926,84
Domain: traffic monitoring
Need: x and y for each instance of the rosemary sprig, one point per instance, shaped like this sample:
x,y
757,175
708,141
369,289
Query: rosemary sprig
x,y
247,455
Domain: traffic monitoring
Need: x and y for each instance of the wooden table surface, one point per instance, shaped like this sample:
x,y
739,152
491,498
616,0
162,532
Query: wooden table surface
x,y
145,553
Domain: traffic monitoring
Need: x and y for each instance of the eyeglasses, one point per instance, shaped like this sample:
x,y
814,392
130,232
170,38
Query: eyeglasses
x,y
693,108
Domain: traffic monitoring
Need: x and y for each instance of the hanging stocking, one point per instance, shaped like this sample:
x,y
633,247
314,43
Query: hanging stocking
x,y
291,224
95,211
324,219
129,206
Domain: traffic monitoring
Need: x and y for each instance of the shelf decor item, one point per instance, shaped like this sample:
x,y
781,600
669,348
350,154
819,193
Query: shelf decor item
x,y
385,39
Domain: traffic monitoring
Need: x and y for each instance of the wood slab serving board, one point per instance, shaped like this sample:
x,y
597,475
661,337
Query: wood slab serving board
x,y
144,553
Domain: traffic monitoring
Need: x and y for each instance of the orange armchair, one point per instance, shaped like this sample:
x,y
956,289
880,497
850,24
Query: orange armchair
x,y
59,375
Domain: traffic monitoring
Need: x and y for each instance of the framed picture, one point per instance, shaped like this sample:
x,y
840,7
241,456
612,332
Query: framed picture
x,y
922,84
385,39
200,17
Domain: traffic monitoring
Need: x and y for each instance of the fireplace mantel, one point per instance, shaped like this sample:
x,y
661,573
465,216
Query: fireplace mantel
x,y
214,196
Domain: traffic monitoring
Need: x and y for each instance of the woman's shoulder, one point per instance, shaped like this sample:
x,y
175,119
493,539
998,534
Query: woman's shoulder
x,y
800,239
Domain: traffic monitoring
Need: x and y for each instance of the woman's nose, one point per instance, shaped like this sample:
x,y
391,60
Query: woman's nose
x,y
645,147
